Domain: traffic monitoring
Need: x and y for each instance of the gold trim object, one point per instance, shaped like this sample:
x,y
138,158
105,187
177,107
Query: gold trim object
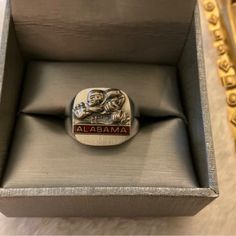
x,y
221,17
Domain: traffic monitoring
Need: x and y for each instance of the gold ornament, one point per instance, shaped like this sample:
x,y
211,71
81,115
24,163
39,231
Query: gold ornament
x,y
224,39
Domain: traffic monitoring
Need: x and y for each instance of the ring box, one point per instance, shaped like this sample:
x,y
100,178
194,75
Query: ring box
x,y
50,50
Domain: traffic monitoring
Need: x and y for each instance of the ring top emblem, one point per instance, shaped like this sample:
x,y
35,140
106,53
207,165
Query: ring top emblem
x,y
102,116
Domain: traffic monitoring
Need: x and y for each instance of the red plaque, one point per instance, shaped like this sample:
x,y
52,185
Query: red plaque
x,y
102,129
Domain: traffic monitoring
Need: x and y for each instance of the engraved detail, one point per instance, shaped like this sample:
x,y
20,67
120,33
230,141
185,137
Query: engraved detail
x,y
221,49
213,19
228,81
225,65
209,6
231,99
102,107
233,119
218,35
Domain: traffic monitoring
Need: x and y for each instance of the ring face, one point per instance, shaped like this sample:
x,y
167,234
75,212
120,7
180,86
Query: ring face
x,y
102,116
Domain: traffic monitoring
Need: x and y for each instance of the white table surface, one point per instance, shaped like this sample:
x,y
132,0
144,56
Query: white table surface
x,y
217,218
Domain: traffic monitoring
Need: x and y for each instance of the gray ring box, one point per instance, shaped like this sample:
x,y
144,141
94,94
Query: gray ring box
x,y
119,41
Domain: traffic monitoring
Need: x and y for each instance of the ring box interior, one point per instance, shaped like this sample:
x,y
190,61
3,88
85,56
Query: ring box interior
x,y
152,50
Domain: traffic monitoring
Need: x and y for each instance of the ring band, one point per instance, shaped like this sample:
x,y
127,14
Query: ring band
x,y
102,117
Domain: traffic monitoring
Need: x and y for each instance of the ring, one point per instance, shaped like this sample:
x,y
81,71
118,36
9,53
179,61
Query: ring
x,y
102,117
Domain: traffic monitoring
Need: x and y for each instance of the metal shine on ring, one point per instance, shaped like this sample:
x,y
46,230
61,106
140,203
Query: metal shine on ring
x,y
103,117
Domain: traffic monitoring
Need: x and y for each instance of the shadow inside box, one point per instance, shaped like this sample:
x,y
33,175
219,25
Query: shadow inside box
x,y
57,124
43,154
